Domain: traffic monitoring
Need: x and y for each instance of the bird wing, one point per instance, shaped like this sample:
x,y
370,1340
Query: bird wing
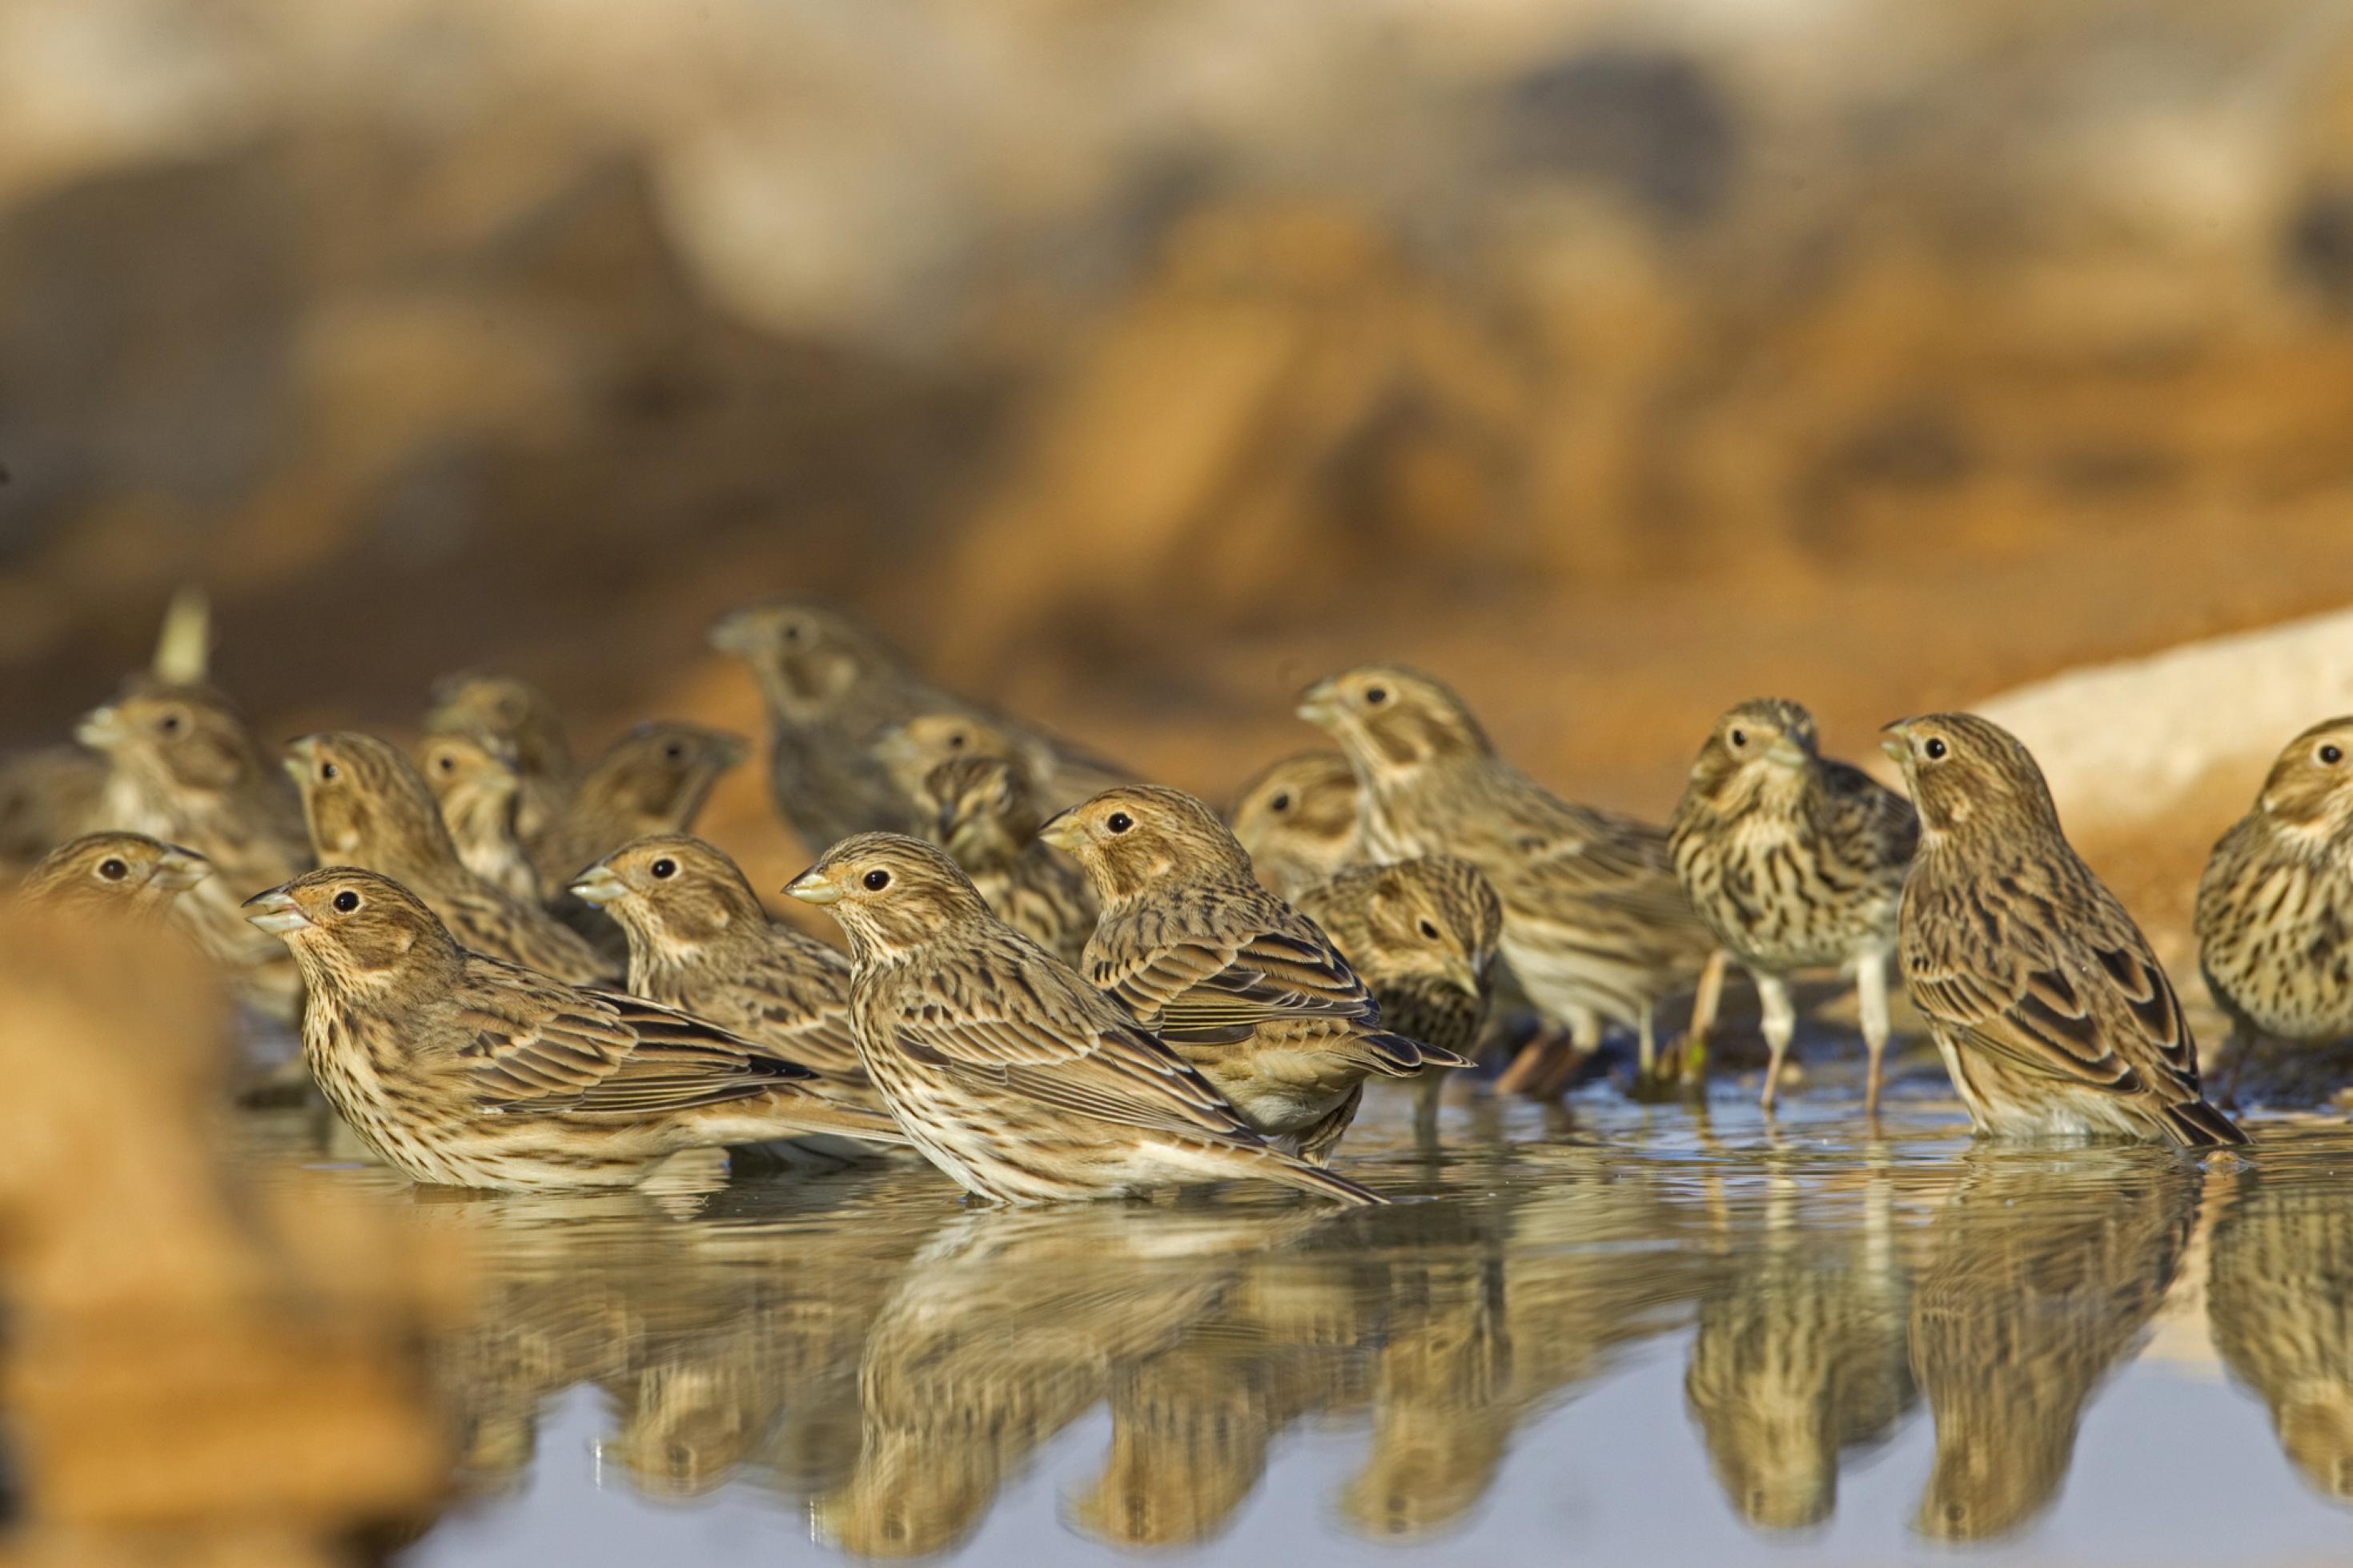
x,y
541,1046
1595,857
1217,987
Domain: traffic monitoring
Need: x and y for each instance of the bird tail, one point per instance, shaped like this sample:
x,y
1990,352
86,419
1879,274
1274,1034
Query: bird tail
x,y
2194,1124
793,1110
1296,1172
1400,1055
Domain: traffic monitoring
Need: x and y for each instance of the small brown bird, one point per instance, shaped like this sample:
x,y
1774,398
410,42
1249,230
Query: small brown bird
x,y
1240,983
833,689
1596,928
1298,820
474,703
1422,934
654,779
479,788
912,748
2275,906
368,808
1795,862
47,796
1005,1068
2053,1013
465,1071
182,768
112,873
699,941
982,813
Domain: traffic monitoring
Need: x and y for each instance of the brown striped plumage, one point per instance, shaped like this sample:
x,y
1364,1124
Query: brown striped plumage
x,y
463,1070
700,942
834,688
1795,862
911,749
1298,820
369,808
2279,1294
182,768
654,779
1422,935
2275,906
2053,1013
1006,1068
1596,928
114,873
981,811
479,786
474,703
1241,984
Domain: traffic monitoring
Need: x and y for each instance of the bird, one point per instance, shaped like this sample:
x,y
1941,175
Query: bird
x,y
2274,915
1422,935
479,786
461,1070
700,942
1298,820
369,808
1795,862
2279,1295
1242,985
833,687
981,812
182,768
2052,1013
912,748
474,703
110,873
1005,1069
654,779
48,795
1596,928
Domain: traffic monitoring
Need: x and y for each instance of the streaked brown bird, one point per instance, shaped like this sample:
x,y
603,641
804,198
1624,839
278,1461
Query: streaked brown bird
x,y
1006,1068
1298,820
182,768
1243,986
1596,928
654,779
48,795
473,702
2275,906
462,1070
981,812
911,749
1422,935
479,786
2052,1015
1795,862
369,808
114,873
700,942
833,688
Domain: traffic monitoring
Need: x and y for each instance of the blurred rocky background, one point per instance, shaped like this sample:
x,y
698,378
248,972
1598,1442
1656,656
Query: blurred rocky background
x,y
1135,362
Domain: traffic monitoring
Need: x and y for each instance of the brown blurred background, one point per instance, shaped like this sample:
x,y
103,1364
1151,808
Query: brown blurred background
x,y
1135,363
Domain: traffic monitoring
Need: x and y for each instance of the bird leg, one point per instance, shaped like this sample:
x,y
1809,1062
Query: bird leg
x,y
1871,997
1427,1093
1780,1023
1705,1003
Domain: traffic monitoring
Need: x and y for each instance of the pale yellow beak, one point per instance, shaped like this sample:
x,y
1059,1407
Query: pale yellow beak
x,y
276,912
1786,752
1896,740
813,886
599,885
1063,831
1320,705
736,634
300,753
178,869
101,730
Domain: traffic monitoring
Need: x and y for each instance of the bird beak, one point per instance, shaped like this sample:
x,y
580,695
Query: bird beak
x,y
599,885
1896,740
735,633
1320,705
101,730
299,753
275,912
178,869
814,887
1786,752
731,749
1063,831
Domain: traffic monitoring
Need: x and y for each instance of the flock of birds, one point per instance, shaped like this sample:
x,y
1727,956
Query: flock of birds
x,y
1061,983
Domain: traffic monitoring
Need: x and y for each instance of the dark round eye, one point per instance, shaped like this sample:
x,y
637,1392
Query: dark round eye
x,y
169,723
445,763
1738,738
1936,750
792,631
2332,754
329,771
346,901
955,739
1280,802
113,871
1375,695
1119,822
664,867
673,751
1429,930
877,879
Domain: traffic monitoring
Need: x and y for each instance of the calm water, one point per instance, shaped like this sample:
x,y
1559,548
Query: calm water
x,y
1649,1336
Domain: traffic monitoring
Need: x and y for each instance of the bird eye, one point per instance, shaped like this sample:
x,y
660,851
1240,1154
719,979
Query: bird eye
x,y
664,867
1375,695
169,723
346,901
877,879
1936,750
792,631
1119,822
955,739
1280,802
1739,738
445,763
2332,754
673,751
113,871
1429,929
329,771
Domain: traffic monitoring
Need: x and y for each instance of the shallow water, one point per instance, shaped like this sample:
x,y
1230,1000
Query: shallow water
x,y
1643,1336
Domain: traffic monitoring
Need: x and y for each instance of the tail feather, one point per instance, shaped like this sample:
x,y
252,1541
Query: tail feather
x,y
1401,1056
2194,1124
790,1110
1296,1172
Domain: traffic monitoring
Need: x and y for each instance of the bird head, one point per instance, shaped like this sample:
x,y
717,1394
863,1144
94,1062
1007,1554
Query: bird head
x,y
2311,785
472,702
890,893
1139,837
180,739
366,805
808,658
1393,722
1965,772
980,809
673,890
352,929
